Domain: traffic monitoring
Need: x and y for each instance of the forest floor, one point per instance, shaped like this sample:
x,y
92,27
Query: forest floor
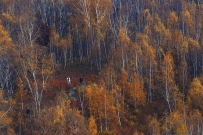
x,y
74,71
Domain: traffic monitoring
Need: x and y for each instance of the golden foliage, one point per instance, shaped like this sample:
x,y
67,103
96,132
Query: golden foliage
x,y
159,27
59,117
6,45
138,90
193,46
123,38
178,124
92,126
168,70
149,47
195,96
153,126
5,120
55,38
7,17
172,21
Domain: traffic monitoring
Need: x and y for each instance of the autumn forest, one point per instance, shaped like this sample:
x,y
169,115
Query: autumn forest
x,y
141,62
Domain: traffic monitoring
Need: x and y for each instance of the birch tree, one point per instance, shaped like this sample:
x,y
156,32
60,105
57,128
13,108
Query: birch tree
x,y
37,67
167,71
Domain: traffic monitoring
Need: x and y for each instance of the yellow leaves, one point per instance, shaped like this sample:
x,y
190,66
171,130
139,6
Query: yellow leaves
x,y
196,85
168,68
195,96
184,46
62,109
172,20
178,123
66,43
92,126
21,93
5,41
62,43
59,111
4,103
145,17
151,52
94,95
123,78
58,114
159,27
188,22
122,48
177,40
101,19
89,90
146,11
134,93
5,120
158,31
54,37
181,129
153,125
123,39
142,40
47,64
36,59
138,92
7,17
101,105
187,14
167,77
194,46
187,18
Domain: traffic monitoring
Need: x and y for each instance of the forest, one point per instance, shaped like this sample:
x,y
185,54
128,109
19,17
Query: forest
x,y
141,62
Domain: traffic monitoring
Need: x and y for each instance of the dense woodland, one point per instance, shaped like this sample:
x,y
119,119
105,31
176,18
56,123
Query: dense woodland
x,y
141,61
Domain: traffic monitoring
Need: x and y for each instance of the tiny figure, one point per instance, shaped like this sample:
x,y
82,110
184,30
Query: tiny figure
x,y
81,80
28,111
68,80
